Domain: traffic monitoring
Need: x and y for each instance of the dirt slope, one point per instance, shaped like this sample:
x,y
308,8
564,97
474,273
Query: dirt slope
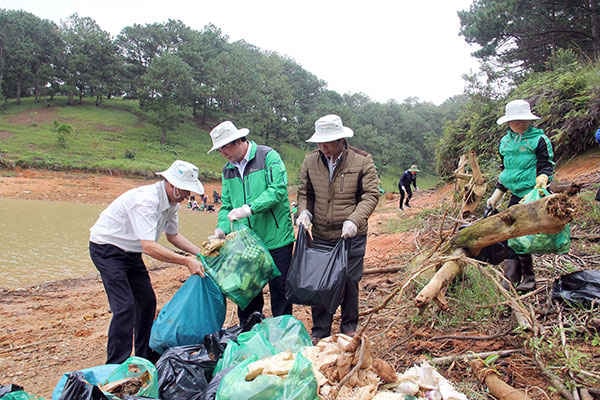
x,y
58,327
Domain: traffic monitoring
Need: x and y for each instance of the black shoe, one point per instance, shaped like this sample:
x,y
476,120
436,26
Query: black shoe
x,y
407,205
512,272
528,282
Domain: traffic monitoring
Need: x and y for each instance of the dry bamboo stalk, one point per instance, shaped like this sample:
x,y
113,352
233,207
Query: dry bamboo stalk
x,y
470,356
500,389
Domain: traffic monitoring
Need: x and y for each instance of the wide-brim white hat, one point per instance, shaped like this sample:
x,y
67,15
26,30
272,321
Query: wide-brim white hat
x,y
517,110
414,168
183,175
225,133
328,129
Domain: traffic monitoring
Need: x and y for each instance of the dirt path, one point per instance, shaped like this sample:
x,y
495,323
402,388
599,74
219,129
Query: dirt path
x,y
51,329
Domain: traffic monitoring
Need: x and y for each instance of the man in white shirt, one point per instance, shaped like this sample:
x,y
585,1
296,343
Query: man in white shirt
x,y
128,227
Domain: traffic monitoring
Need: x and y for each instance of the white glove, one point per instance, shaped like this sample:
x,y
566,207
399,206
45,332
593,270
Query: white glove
x,y
416,188
304,219
219,234
495,198
349,229
239,213
541,181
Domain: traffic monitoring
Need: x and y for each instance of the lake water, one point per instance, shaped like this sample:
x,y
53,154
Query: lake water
x,y
48,240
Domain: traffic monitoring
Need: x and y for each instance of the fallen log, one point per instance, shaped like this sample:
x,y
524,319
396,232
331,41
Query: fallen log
x,y
547,215
497,387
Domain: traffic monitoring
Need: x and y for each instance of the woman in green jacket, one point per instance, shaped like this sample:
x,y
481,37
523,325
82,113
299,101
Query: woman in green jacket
x,y
527,163
254,193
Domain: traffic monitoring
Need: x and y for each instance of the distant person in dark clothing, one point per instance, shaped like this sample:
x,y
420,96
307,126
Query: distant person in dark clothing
x,y
409,177
216,197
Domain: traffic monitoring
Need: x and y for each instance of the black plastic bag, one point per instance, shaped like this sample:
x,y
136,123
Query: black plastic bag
x,y
317,273
184,371
581,287
77,388
213,387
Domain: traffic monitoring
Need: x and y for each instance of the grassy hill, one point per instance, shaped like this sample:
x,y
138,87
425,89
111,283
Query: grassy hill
x,y
116,137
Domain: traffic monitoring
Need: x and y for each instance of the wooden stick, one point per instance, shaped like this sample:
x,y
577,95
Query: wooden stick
x,y
382,270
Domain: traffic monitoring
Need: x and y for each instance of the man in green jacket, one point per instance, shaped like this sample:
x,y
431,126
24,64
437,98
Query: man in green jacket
x,y
339,189
254,193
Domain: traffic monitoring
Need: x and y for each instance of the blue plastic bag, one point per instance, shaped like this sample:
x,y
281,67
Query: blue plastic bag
x,y
94,375
196,309
541,243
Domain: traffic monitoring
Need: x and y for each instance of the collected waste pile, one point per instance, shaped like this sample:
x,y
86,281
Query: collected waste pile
x,y
263,358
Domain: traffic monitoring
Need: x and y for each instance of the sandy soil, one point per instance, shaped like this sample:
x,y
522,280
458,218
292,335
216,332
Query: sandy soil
x,y
57,327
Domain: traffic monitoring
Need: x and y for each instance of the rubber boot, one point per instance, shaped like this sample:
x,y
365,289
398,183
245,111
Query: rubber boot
x,y
528,282
512,272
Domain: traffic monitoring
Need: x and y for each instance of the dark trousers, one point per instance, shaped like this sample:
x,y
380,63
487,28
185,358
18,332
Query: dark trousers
x,y
131,299
408,193
524,259
279,304
322,319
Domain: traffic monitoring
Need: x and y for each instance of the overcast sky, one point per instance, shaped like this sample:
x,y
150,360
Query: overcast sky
x,y
386,49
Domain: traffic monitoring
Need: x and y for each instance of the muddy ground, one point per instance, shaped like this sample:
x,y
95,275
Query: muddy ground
x,y
57,327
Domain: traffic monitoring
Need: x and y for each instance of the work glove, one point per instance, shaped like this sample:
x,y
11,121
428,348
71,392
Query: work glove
x,y
541,181
349,229
416,188
239,213
495,198
219,234
304,219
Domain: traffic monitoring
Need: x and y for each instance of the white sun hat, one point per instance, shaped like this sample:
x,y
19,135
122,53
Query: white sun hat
x,y
517,110
224,133
328,129
183,175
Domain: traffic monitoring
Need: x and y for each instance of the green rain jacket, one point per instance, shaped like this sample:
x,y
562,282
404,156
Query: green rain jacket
x,y
524,157
264,189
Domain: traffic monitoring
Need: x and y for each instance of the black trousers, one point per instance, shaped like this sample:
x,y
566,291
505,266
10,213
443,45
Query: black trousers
x,y
131,299
524,259
322,319
404,190
279,304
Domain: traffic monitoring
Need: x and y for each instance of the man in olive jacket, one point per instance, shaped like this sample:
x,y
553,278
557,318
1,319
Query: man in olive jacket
x,y
254,193
339,190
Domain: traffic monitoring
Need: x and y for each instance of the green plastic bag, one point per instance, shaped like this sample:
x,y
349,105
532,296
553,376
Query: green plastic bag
x,y
285,333
541,243
20,395
134,367
271,336
299,384
242,268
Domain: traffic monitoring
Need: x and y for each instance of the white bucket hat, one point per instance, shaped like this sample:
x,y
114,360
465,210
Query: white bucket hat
x,y
183,175
328,129
224,133
517,110
414,168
